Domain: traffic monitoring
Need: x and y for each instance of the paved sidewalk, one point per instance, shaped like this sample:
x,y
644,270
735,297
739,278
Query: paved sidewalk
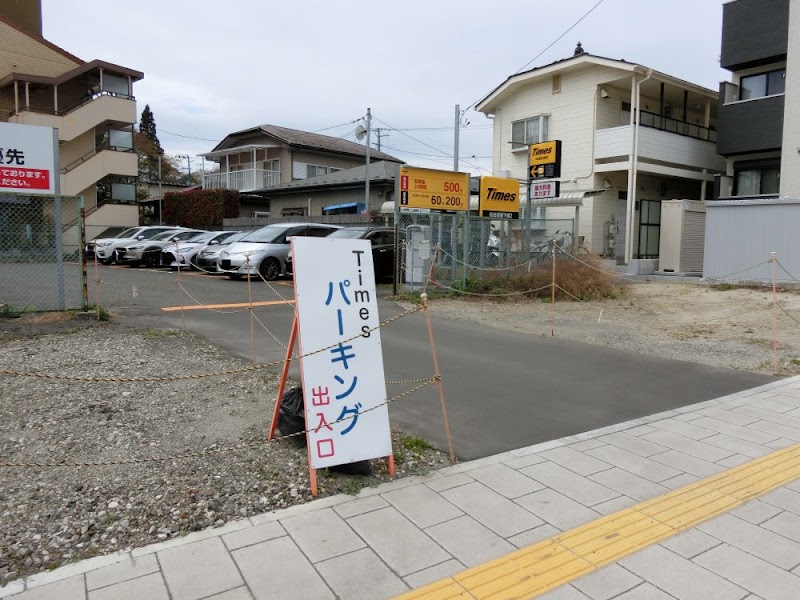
x,y
411,532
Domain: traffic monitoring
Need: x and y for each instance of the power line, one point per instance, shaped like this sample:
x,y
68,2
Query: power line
x,y
335,126
441,152
188,137
558,39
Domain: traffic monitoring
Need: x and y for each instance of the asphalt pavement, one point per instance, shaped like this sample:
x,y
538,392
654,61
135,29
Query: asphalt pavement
x,y
503,390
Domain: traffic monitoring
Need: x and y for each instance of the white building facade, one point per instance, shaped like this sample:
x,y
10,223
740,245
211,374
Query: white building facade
x,y
631,138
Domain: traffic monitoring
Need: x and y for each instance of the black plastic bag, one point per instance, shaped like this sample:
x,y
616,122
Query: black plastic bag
x,y
291,419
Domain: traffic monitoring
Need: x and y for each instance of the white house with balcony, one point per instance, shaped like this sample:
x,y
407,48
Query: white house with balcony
x,y
631,138
255,160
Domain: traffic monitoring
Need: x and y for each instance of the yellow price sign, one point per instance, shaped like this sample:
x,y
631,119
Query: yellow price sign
x,y
430,189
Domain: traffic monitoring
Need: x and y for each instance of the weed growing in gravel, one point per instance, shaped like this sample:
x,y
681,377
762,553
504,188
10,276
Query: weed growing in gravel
x,y
416,444
102,313
14,312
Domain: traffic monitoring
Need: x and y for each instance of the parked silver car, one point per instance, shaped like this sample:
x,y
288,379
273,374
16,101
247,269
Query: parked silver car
x,y
148,252
206,258
263,251
182,256
105,249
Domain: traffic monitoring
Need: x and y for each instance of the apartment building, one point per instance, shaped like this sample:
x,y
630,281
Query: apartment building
x,y
631,137
90,103
271,166
756,206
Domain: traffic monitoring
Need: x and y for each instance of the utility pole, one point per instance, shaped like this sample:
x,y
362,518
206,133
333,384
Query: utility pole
x,y
160,193
379,133
366,176
188,166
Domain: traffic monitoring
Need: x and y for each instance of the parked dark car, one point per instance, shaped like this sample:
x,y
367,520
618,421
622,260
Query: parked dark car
x,y
382,239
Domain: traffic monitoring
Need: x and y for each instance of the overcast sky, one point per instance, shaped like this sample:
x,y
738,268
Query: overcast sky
x,y
215,68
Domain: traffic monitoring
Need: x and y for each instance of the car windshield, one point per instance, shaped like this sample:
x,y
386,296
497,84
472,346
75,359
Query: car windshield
x,y
266,235
348,233
205,237
162,235
185,236
155,234
128,233
239,235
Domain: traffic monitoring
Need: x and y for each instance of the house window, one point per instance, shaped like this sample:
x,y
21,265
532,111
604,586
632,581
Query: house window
x,y
301,170
763,84
529,131
757,180
293,212
271,165
556,84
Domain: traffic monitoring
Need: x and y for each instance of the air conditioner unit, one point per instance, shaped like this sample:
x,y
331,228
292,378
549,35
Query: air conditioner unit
x,y
683,228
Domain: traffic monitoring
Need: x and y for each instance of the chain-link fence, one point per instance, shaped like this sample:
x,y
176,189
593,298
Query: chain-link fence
x,y
462,247
40,254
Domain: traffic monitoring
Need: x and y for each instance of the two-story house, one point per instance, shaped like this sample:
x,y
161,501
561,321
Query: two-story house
x,y
631,137
90,103
268,164
756,210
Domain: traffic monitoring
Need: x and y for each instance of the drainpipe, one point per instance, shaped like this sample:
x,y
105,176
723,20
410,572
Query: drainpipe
x,y
707,125
632,176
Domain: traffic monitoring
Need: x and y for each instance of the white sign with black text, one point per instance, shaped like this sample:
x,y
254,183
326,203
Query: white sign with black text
x,y
344,388
545,189
27,159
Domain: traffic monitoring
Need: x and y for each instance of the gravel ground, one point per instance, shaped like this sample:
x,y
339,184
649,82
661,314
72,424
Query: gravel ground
x,y
52,516
730,328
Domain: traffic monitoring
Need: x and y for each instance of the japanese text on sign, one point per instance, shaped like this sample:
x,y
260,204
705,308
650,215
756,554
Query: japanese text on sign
x,y
27,158
343,384
431,189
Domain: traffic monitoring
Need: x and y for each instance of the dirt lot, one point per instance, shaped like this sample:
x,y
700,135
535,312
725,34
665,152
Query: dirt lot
x,y
714,326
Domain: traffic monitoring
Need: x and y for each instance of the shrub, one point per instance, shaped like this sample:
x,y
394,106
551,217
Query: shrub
x,y
576,280
202,209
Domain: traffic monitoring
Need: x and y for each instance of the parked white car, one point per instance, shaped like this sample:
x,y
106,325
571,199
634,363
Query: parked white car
x,y
148,252
105,249
206,258
182,255
263,251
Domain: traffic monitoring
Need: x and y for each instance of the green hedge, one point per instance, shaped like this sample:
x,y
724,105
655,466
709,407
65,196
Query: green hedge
x,y
203,209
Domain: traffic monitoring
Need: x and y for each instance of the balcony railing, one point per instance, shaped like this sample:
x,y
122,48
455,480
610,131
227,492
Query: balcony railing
x,y
656,121
244,181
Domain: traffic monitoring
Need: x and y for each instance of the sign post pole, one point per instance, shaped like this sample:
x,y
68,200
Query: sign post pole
x,y
59,238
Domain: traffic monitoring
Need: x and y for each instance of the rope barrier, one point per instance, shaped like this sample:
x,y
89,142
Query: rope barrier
x,y
447,287
209,451
792,317
786,271
721,277
599,270
39,375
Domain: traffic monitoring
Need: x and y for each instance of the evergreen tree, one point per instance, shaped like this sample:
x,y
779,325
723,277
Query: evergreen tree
x,y
147,126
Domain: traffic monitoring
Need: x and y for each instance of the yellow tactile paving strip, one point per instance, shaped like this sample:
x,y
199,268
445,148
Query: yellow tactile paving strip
x,y
546,565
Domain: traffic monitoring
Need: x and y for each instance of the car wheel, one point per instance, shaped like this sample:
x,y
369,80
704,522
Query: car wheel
x,y
270,268
151,259
106,261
